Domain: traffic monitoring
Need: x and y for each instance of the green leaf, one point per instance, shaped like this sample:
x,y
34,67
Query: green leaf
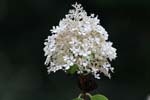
x,y
98,97
72,69
78,99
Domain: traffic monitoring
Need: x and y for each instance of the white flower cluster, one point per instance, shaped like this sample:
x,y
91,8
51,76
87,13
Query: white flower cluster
x,y
79,40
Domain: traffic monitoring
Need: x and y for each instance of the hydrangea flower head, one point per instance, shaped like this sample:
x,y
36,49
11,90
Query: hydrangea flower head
x,y
79,40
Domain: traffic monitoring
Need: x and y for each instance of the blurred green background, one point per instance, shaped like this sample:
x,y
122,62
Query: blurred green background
x,y
24,24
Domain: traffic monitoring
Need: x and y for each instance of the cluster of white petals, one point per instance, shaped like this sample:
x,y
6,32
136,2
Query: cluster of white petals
x,y
79,39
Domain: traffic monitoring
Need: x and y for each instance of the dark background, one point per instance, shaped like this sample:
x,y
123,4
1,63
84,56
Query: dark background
x,y
24,24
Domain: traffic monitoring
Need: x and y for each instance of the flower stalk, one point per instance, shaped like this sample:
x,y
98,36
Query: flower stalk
x,y
80,45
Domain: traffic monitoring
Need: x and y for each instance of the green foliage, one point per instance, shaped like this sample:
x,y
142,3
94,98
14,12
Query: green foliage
x,y
98,97
94,97
72,69
78,99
